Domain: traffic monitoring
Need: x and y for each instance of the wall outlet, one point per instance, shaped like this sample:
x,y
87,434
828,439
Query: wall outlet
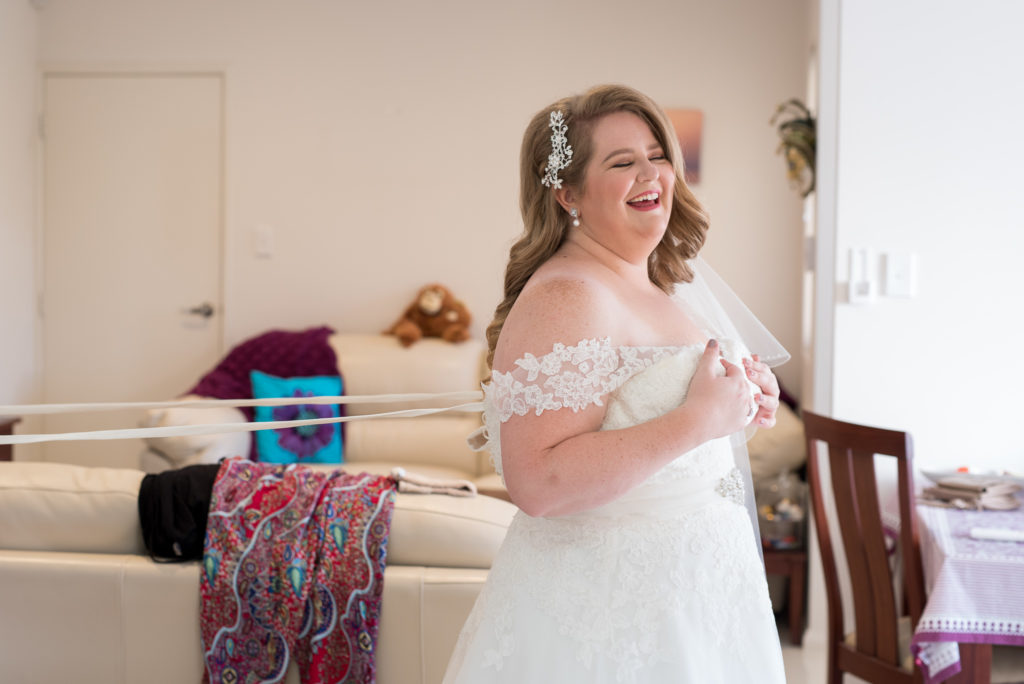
x,y
861,289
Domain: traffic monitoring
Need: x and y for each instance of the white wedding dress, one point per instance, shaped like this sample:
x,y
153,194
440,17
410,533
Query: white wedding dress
x,y
661,585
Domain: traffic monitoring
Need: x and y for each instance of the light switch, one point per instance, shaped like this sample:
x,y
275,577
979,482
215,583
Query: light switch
x,y
264,243
900,274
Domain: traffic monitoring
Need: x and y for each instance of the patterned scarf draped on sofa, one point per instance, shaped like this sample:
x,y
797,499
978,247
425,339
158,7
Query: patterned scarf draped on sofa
x,y
293,567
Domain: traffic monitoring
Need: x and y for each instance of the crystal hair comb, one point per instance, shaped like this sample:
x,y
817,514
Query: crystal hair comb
x,y
561,151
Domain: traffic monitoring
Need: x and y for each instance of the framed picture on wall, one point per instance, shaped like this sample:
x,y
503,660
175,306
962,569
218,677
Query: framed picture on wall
x,y
688,124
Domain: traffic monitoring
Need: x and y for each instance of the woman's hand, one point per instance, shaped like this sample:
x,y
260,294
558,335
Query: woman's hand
x,y
721,403
768,398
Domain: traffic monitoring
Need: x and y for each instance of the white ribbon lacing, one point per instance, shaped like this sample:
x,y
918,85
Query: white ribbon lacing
x,y
470,401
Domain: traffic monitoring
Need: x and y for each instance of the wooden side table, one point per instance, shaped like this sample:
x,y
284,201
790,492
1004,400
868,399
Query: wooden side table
x,y
7,424
793,564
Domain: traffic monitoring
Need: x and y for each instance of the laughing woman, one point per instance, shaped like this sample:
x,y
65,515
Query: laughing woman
x,y
615,413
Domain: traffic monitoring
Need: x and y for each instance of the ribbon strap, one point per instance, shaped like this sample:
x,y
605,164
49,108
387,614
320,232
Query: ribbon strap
x,y
42,409
220,428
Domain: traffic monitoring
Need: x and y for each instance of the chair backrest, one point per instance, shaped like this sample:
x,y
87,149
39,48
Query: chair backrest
x,y
851,451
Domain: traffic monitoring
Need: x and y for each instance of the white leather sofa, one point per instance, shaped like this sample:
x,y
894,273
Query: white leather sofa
x,y
81,601
370,365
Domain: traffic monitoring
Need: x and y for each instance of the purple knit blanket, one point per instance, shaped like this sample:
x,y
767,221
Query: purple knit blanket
x,y
284,353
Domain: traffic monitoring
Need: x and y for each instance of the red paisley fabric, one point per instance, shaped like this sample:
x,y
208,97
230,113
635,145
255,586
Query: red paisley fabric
x,y
293,568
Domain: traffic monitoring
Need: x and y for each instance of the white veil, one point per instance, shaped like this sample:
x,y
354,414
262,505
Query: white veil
x,y
715,308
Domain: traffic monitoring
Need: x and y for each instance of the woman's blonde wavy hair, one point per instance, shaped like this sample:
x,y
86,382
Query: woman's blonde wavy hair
x,y
546,224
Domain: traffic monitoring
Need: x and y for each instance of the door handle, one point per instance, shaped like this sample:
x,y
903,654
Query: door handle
x,y
205,310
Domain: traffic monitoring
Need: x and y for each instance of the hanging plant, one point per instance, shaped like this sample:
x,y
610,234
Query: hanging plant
x,y
797,142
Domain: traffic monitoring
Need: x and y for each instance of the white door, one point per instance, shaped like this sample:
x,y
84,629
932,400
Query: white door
x,y
132,234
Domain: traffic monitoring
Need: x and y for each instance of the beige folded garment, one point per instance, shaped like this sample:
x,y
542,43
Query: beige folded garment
x,y
412,483
951,493
967,483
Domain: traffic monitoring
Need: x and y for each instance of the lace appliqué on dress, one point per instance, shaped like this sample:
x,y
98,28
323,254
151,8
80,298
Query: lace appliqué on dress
x,y
575,377
568,377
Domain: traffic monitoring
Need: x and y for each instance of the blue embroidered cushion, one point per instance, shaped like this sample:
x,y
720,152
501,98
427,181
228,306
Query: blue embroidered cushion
x,y
306,443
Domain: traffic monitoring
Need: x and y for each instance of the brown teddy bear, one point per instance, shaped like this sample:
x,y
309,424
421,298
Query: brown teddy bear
x,y
435,313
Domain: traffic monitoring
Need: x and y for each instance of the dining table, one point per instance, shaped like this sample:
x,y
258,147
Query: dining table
x,y
975,591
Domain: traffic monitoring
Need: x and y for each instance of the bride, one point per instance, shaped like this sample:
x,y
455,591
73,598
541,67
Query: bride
x,y
618,391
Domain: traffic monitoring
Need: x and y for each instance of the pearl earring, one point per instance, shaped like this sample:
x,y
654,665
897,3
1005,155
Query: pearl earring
x,y
575,213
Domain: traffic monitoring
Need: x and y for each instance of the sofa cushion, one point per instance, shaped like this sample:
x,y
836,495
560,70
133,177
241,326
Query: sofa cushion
x,y
426,441
493,483
186,450
447,531
61,507
441,531
379,364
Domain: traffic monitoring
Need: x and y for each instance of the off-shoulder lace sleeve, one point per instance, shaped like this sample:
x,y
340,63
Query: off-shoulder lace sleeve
x,y
567,377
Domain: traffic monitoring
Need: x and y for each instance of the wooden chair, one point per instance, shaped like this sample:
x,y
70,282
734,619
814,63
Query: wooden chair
x,y
878,650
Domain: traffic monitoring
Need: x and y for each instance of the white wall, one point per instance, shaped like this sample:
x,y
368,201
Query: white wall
x,y
930,148
921,110
17,201
380,140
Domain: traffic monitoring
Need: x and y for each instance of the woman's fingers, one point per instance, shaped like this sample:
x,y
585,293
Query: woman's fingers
x,y
711,351
732,370
767,406
726,401
761,375
768,398
734,373
767,401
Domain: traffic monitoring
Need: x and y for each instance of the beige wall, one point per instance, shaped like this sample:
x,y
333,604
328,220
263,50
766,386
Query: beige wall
x,y
17,201
380,140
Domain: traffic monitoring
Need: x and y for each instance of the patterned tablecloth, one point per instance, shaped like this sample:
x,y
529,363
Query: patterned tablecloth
x,y
975,588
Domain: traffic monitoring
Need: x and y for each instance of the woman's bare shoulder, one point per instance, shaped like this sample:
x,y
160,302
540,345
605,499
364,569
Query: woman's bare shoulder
x,y
563,304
